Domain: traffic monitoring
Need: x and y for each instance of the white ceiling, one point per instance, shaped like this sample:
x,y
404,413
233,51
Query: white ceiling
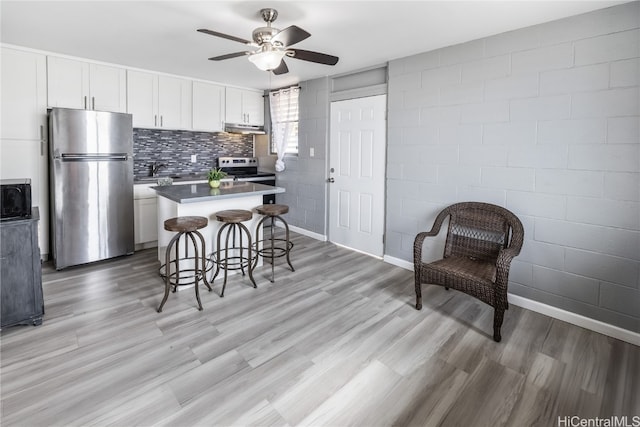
x,y
161,35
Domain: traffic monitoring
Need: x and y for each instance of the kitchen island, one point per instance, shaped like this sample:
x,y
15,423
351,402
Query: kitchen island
x,y
202,200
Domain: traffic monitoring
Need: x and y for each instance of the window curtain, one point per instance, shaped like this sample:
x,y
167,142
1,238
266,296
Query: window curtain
x,y
283,106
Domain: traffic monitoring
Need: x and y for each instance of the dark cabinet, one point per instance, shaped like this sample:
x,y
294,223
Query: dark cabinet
x,y
20,272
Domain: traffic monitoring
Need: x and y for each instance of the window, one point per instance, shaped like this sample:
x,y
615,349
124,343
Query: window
x,y
284,121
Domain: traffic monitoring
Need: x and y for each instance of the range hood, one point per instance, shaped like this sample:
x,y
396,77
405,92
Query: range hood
x,y
244,129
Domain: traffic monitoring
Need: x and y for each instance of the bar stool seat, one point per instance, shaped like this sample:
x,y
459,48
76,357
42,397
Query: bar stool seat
x,y
278,247
185,226
234,257
234,216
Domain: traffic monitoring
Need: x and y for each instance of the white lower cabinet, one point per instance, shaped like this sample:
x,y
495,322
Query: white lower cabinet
x,y
145,216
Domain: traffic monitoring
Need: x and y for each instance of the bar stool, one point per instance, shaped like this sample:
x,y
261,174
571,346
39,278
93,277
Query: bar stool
x,y
232,223
273,212
188,227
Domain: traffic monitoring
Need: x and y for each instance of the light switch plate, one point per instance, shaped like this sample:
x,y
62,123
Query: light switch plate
x,y
312,152
194,158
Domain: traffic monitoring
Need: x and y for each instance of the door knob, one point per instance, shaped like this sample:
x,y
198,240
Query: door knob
x,y
331,180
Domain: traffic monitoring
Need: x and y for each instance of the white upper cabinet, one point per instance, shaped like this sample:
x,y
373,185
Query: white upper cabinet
x,y
208,107
108,88
253,107
158,101
142,98
244,107
83,85
23,134
174,102
24,95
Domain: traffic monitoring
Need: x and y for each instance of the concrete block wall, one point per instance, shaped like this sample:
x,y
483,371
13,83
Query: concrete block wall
x,y
304,176
544,121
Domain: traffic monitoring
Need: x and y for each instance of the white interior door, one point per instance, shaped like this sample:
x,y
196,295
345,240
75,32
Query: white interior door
x,y
357,173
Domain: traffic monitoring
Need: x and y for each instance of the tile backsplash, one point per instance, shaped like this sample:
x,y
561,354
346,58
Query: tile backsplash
x,y
174,148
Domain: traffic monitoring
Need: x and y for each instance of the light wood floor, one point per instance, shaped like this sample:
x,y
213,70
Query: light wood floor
x,y
336,343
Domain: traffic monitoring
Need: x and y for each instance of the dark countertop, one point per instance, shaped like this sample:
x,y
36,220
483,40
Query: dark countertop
x,y
187,177
176,178
195,193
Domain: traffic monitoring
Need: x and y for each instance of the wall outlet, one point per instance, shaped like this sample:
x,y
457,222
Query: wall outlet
x,y
194,158
312,152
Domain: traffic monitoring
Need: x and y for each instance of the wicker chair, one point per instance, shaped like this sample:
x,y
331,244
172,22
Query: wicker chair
x,y
482,239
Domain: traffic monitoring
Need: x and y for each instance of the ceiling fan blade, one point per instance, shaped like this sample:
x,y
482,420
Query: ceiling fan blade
x,y
281,69
229,56
225,36
290,36
308,55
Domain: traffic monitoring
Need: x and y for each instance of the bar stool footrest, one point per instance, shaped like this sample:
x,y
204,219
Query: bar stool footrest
x,y
234,262
188,276
278,251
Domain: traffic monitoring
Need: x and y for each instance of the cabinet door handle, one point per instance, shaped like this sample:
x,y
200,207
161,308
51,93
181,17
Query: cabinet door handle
x,y
42,142
93,102
161,121
155,120
85,102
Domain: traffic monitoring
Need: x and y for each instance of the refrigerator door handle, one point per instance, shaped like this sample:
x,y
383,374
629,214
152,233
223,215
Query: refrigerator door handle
x,y
93,157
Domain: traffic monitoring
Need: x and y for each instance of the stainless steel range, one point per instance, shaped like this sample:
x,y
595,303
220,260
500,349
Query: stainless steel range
x,y
246,169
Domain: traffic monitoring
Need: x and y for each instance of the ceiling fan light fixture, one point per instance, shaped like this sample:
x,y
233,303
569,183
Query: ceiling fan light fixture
x,y
267,60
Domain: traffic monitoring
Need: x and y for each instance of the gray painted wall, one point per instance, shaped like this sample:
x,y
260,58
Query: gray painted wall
x,y
544,121
304,176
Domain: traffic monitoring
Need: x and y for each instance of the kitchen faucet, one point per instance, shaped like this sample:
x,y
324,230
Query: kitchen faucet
x,y
155,167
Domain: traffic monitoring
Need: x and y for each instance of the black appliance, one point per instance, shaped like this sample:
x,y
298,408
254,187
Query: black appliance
x,y
15,201
246,169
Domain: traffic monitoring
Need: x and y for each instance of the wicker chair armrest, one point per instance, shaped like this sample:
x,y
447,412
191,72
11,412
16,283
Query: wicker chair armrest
x,y
419,240
417,248
437,224
506,255
503,264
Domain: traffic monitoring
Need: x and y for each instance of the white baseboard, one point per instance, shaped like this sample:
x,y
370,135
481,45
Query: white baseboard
x,y
576,319
407,265
304,232
548,310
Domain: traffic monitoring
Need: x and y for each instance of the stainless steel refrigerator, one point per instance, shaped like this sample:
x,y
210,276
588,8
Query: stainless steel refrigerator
x,y
91,179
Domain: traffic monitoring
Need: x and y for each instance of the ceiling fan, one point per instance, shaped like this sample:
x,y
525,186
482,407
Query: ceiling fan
x,y
273,45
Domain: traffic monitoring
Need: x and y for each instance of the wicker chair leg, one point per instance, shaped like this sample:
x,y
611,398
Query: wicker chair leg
x,y
418,296
498,317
